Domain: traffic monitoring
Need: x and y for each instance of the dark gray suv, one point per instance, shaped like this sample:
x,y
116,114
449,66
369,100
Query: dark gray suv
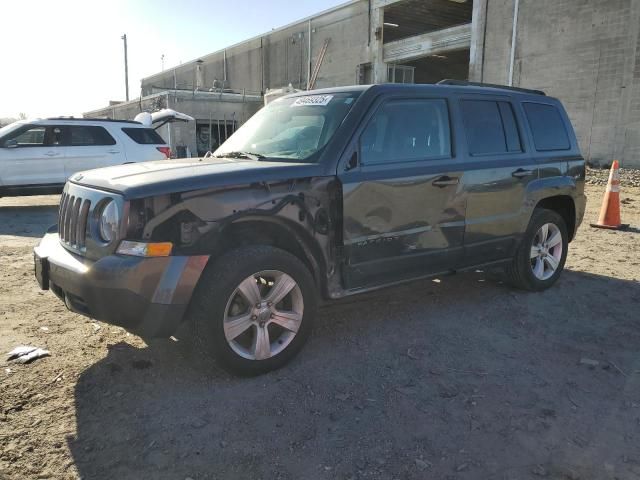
x,y
320,195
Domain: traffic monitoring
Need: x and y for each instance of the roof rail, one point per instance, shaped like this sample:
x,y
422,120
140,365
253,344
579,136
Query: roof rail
x,y
464,83
90,119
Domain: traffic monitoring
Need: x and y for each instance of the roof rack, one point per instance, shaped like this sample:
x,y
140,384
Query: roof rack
x,y
90,119
464,83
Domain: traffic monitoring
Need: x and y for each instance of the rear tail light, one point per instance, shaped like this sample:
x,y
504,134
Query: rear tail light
x,y
165,150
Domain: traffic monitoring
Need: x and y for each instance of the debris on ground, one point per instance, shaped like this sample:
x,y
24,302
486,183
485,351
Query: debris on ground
x,y
26,354
589,362
540,471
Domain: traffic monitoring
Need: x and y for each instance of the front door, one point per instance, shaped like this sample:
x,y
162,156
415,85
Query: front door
x,y
33,156
403,215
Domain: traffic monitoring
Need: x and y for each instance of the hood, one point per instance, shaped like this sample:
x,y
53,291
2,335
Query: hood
x,y
137,180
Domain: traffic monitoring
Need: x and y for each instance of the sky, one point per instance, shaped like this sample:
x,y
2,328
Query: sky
x,y
66,57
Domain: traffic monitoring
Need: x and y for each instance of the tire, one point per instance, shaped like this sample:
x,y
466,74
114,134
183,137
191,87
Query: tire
x,y
525,271
221,308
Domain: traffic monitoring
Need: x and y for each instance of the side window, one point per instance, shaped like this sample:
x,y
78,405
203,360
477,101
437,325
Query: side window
x,y
490,127
35,136
32,137
54,136
144,136
83,135
547,127
510,129
407,130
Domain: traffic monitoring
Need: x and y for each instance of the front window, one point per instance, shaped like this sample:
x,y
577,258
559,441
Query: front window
x,y
32,136
406,131
291,129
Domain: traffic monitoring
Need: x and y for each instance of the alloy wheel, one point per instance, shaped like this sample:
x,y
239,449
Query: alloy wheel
x,y
546,251
263,315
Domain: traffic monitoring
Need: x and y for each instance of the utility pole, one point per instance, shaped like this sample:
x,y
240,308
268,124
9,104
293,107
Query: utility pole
x,y
126,66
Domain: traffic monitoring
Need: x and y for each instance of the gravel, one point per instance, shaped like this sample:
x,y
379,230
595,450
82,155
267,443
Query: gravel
x,y
629,177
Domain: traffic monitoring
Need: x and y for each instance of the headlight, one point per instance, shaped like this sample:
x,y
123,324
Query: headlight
x,y
109,221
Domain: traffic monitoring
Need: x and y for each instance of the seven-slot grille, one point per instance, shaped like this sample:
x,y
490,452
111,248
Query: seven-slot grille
x,y
72,220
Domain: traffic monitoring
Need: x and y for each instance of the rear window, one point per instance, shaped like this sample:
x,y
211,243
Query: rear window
x,y
90,136
490,127
144,136
547,127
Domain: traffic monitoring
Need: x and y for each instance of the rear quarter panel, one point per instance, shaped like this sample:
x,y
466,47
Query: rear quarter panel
x,y
135,152
561,172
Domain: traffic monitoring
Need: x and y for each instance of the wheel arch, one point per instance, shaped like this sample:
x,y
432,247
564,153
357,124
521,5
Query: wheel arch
x,y
563,205
274,231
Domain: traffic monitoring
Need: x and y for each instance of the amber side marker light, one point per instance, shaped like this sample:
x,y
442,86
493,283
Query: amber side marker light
x,y
145,249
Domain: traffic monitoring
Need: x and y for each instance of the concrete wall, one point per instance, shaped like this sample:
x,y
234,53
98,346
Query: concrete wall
x,y
281,57
585,52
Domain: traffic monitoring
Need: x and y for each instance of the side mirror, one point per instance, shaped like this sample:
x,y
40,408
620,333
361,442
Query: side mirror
x,y
11,143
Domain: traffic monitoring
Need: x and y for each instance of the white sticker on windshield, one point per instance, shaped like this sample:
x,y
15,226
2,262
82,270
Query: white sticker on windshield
x,y
312,100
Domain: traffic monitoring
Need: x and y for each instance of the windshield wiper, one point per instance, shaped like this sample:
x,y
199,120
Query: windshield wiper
x,y
249,155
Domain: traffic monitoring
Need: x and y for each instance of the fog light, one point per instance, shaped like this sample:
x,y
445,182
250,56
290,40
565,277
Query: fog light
x,y
144,249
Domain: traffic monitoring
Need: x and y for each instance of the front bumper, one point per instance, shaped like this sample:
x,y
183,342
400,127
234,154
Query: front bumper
x,y
147,296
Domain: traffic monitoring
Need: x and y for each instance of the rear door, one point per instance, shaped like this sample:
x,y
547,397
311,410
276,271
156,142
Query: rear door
x,y
403,215
89,147
498,169
33,156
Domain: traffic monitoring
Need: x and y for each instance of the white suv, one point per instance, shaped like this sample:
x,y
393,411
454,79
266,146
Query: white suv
x,y
37,157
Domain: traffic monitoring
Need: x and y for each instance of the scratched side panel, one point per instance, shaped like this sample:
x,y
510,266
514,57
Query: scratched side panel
x,y
402,226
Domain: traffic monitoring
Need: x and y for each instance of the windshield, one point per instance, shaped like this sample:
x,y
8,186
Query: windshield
x,y
294,128
10,128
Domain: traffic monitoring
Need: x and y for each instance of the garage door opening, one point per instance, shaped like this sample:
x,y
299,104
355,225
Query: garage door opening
x,y
414,17
425,42
432,69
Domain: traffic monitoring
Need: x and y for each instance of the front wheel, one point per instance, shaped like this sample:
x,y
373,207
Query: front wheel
x,y
540,258
253,309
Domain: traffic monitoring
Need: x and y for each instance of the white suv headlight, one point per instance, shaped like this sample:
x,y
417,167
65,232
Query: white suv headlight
x,y
109,221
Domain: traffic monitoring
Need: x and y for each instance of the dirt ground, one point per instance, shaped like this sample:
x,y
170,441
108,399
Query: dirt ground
x,y
454,378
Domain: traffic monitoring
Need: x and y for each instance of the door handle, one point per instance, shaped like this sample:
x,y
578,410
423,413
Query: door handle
x,y
51,154
522,173
113,151
445,180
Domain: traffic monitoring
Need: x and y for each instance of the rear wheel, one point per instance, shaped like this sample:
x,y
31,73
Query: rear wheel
x,y
540,258
254,309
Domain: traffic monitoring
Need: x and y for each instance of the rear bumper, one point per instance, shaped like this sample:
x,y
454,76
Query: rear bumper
x,y
147,296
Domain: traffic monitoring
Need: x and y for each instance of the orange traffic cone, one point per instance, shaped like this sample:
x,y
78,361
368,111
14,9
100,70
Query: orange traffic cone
x,y
610,210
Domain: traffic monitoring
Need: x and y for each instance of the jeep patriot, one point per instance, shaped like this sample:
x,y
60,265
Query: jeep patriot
x,y
320,195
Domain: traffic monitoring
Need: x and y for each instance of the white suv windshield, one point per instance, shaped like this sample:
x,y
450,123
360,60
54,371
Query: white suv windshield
x,y
293,128
10,128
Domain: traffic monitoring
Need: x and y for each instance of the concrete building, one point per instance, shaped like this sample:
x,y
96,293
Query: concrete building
x,y
585,52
